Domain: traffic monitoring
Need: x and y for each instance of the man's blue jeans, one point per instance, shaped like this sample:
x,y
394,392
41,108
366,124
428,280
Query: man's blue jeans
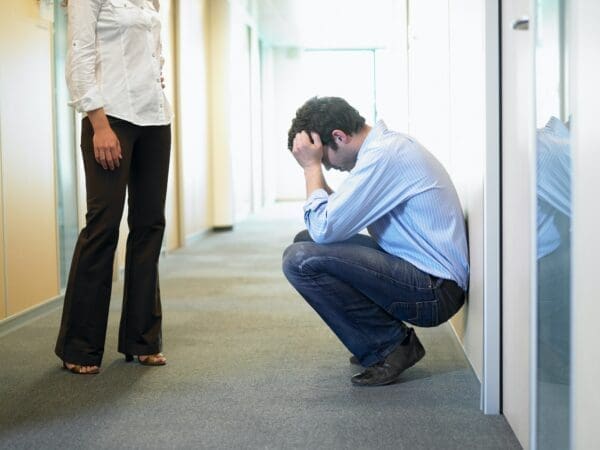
x,y
366,295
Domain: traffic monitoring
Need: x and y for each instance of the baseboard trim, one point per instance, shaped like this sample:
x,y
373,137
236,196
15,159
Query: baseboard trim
x,y
222,228
15,322
464,350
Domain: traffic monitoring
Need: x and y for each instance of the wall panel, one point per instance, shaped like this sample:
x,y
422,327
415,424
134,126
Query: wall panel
x,y
2,285
467,150
584,38
192,117
27,156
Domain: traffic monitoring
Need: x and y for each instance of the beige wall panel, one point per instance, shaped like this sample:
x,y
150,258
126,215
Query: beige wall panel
x,y
192,117
171,239
27,156
221,126
2,286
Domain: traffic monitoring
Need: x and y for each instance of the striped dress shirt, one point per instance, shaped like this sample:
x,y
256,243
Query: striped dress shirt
x,y
404,197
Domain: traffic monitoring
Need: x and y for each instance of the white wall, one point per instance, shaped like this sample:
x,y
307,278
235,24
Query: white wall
x,y
194,163
429,76
240,119
467,137
585,370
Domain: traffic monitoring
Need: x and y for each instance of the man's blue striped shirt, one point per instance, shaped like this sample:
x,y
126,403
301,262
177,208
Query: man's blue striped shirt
x,y
404,197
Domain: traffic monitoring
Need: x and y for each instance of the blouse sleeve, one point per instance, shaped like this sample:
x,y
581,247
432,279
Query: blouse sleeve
x,y
81,55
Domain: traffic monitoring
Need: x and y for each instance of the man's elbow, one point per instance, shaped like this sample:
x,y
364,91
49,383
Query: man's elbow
x,y
323,237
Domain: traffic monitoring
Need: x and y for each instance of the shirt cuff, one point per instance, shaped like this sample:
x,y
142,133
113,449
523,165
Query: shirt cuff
x,y
316,199
91,101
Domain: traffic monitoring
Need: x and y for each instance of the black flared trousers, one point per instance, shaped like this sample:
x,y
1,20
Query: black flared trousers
x,y
143,173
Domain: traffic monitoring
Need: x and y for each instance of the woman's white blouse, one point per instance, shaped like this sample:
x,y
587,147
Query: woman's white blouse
x,y
114,60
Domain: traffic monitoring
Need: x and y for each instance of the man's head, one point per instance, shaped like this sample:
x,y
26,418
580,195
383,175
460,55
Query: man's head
x,y
335,121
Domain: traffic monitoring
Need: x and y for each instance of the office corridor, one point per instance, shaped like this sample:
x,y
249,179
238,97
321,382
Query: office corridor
x,y
250,366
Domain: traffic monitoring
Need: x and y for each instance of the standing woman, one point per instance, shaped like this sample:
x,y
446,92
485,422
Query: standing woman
x,y
114,77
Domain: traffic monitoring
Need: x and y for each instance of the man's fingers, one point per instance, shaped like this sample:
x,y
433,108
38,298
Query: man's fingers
x,y
301,140
316,138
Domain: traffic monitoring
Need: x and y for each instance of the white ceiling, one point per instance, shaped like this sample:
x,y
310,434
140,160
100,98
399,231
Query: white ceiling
x,y
326,23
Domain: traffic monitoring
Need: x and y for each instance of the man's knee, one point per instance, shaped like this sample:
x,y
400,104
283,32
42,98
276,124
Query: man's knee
x,y
295,256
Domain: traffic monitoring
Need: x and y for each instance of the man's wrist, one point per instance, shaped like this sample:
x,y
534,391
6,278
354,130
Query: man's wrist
x,y
312,168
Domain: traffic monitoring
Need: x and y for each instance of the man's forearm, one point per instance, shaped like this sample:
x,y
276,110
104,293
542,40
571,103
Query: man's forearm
x,y
315,180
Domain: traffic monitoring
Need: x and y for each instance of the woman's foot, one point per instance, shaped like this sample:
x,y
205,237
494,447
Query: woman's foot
x,y
81,370
157,359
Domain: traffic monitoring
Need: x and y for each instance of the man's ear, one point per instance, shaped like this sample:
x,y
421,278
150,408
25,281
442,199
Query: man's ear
x,y
340,137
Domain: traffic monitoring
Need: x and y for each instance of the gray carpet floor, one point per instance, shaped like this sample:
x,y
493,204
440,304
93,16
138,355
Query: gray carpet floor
x,y
251,366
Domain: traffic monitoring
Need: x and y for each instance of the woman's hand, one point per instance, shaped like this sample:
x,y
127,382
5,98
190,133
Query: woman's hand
x,y
107,149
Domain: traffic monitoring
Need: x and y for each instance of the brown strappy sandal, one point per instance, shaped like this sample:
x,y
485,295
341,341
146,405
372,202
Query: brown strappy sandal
x,y
78,369
150,360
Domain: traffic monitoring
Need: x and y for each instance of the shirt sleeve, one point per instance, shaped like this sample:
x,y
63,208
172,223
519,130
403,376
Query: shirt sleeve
x,y
372,189
81,55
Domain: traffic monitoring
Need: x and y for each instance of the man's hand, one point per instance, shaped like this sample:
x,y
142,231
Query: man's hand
x,y
308,153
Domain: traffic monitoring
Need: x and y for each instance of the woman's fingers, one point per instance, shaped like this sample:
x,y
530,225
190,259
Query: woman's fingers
x,y
107,149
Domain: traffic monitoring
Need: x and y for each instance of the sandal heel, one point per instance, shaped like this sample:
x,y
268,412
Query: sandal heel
x,y
128,357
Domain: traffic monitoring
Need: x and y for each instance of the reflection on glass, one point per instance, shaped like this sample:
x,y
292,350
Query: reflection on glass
x,y
68,227
553,274
553,228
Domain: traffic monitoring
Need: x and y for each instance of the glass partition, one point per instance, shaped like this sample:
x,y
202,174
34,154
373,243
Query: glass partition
x,y
553,188
65,154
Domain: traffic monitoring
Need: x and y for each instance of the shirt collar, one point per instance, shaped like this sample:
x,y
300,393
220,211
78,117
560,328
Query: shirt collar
x,y
376,132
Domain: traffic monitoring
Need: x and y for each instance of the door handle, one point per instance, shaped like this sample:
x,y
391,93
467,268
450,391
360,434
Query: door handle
x,y
521,24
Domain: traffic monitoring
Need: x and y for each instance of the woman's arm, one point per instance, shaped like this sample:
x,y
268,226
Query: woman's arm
x,y
81,55
81,79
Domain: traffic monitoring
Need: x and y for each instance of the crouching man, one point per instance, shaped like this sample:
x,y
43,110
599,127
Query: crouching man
x,y
412,268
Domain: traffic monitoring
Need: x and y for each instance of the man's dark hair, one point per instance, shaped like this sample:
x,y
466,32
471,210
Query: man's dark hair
x,y
323,115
